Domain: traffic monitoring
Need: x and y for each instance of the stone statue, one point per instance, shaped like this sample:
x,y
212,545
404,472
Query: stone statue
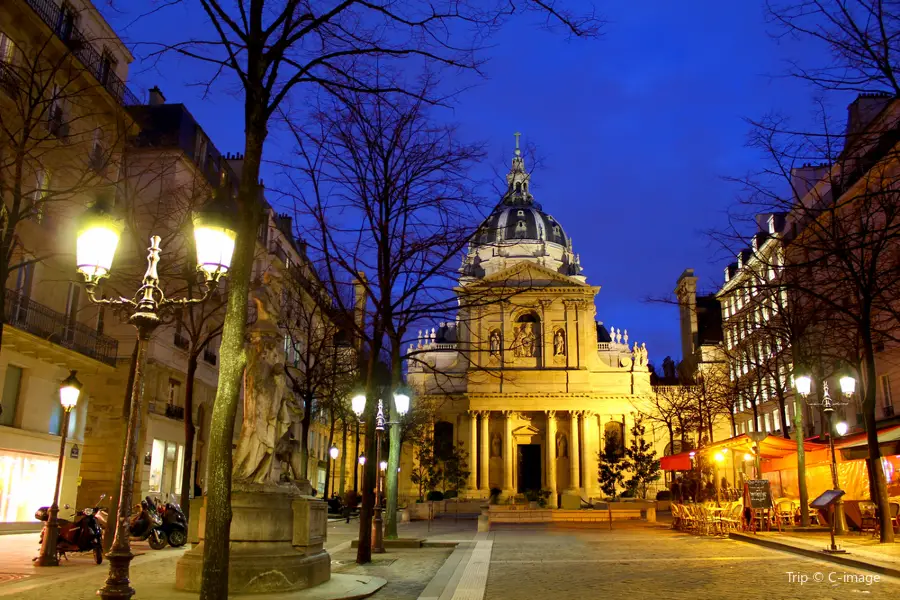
x,y
562,447
525,344
267,408
643,354
495,343
496,445
559,343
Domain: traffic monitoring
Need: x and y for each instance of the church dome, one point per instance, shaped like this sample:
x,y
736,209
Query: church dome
x,y
519,229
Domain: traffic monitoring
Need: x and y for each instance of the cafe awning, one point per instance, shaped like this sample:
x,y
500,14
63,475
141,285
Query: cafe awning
x,y
886,435
676,462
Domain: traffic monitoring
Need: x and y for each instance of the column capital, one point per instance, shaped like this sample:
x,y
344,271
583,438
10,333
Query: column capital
x,y
508,413
551,414
588,413
576,413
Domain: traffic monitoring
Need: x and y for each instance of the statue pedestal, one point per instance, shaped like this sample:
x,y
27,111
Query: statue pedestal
x,y
277,537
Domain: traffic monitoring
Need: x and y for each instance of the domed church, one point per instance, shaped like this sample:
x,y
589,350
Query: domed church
x,y
526,377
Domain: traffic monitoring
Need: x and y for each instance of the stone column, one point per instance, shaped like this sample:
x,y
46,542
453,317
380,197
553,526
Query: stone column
x,y
574,460
508,451
589,456
485,454
551,456
472,484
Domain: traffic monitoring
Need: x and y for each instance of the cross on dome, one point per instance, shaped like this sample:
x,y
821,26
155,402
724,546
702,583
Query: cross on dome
x,y
517,180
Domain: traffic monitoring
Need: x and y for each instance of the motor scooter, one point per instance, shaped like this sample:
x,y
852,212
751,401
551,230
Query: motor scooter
x,y
174,522
83,533
144,524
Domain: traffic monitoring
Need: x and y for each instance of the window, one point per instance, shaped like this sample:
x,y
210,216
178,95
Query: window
x,y
41,191
7,49
107,66
166,461
886,398
11,386
766,423
776,421
174,392
97,158
65,21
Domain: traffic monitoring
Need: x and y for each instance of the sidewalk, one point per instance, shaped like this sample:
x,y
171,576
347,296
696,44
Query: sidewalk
x,y
862,551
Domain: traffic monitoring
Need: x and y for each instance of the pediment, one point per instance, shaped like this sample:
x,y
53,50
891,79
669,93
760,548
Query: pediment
x,y
526,430
529,274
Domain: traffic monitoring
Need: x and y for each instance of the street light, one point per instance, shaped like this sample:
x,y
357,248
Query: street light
x,y
362,460
98,237
69,390
841,428
333,452
358,404
848,386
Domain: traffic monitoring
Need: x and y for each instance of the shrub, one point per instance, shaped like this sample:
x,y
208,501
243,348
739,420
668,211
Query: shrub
x,y
448,494
664,495
435,496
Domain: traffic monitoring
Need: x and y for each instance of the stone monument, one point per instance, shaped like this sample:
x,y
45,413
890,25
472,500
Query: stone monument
x,y
278,529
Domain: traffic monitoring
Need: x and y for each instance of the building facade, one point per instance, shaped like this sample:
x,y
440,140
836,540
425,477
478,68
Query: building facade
x,y
525,377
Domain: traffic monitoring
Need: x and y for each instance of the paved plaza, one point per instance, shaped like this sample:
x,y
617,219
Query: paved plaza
x,y
522,562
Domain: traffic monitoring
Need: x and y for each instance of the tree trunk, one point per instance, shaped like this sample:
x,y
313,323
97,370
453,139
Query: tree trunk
x,y
367,485
189,432
801,460
305,424
343,458
392,475
232,359
876,472
783,416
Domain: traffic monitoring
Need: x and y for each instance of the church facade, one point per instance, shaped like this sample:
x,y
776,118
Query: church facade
x,y
526,378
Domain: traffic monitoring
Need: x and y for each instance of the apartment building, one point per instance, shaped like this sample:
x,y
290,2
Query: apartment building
x,y
63,116
760,314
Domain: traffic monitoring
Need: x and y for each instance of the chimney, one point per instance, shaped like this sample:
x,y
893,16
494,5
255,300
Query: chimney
x,y
863,110
805,178
156,96
359,308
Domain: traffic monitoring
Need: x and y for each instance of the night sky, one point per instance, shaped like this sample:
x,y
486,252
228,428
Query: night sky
x,y
636,131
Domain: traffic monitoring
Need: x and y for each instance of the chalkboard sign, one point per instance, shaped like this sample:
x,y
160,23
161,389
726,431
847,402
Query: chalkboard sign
x,y
759,493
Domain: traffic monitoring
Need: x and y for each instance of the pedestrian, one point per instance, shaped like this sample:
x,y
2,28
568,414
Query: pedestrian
x,y
350,502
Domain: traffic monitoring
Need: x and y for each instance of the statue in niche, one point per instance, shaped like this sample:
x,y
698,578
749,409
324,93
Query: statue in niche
x,y
562,447
559,343
495,343
525,341
267,408
496,445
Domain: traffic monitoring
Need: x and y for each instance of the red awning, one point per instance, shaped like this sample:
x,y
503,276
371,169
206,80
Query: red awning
x,y
676,462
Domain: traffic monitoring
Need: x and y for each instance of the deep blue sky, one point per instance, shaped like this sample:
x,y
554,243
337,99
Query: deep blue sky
x,y
636,130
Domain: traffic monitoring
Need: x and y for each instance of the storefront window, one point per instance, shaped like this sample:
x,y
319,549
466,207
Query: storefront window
x,y
26,484
166,467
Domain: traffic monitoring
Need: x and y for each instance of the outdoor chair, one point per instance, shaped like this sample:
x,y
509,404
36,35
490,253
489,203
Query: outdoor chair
x,y
785,510
868,521
733,520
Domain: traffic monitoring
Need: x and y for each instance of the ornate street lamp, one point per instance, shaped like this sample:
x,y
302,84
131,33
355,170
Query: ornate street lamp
x,y
848,387
358,403
841,428
98,237
69,390
333,452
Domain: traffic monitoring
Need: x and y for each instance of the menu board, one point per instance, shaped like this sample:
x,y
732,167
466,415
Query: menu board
x,y
759,493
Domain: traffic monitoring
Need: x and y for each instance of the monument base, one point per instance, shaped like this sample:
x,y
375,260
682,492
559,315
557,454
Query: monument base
x,y
277,542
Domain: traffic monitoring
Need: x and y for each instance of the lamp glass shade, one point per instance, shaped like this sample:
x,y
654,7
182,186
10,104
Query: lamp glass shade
x,y
804,384
383,465
97,239
69,391
848,385
362,459
334,452
841,428
358,404
748,456
719,457
215,246
401,401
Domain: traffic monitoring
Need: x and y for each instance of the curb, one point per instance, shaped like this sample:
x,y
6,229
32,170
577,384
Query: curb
x,y
834,558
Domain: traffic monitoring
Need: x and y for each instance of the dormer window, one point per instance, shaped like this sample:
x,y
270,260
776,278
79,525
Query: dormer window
x,y
520,229
518,187
557,232
521,213
772,224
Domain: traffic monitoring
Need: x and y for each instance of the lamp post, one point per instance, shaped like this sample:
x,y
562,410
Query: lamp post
x,y
718,457
69,390
98,236
848,387
333,452
358,404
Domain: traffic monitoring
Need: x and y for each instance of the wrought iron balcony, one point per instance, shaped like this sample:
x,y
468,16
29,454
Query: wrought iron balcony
x,y
26,314
54,16
175,412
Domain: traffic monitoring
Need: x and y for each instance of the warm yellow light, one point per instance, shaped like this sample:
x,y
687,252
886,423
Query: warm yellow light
x,y
401,401
98,238
719,457
362,459
804,384
841,428
748,457
848,385
334,452
69,390
383,465
215,247
358,403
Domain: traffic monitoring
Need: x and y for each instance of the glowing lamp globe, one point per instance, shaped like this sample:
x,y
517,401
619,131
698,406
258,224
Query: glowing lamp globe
x,y
214,236
848,385
69,391
719,457
401,401
383,465
841,428
804,384
98,238
362,459
358,404
748,457
334,452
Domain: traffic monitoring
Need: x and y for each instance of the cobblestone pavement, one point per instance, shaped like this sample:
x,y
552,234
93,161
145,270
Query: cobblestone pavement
x,y
644,561
406,571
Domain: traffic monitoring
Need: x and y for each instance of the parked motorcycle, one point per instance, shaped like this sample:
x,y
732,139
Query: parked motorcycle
x,y
174,522
81,534
145,524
